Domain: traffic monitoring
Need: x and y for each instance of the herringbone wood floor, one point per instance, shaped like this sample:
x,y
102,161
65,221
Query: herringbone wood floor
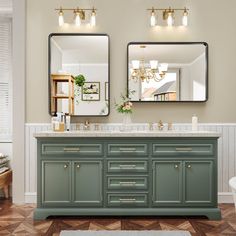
x,y
17,220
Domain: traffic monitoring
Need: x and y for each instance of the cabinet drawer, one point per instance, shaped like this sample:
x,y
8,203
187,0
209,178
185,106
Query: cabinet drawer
x,y
171,149
127,149
72,149
127,182
127,200
127,166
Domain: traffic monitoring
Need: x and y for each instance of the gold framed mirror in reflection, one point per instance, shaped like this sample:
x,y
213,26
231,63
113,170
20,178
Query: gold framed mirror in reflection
x,y
79,74
167,72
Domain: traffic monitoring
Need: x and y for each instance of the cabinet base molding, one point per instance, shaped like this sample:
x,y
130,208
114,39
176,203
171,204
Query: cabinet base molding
x,y
210,213
223,197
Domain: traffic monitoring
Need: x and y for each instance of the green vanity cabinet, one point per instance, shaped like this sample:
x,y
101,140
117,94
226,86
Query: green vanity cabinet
x,y
106,175
56,183
167,183
87,183
198,182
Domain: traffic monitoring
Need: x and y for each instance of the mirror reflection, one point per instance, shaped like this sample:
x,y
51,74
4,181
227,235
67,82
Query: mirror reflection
x,y
167,71
79,74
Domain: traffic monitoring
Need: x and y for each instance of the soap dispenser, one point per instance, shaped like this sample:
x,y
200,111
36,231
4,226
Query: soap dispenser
x,y
194,123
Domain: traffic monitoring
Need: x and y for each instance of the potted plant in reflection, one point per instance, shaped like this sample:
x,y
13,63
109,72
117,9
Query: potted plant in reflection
x,y
125,107
79,82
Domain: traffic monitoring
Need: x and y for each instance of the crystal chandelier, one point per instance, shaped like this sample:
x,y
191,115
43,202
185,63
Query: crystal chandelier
x,y
146,72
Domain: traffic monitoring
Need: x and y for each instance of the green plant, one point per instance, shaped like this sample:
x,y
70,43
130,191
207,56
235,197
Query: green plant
x,y
79,80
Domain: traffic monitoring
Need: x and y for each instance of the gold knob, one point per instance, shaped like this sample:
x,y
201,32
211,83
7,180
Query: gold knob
x,y
65,166
176,166
78,166
189,166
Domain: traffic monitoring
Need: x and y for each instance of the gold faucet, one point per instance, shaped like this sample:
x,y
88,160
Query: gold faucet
x,y
86,125
160,125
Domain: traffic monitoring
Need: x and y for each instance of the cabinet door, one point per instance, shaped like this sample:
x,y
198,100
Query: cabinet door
x,y
167,183
56,183
198,182
87,183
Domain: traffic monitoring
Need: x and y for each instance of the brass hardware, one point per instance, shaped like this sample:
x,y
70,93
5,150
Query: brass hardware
x,y
183,149
160,125
128,183
127,149
141,71
71,149
189,166
86,125
128,200
166,12
127,166
77,10
176,166
78,166
65,166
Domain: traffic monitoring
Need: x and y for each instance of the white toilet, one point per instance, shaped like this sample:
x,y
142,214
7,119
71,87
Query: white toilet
x,y
232,184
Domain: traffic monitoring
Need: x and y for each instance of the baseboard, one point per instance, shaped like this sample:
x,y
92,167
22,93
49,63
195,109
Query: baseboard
x,y
224,197
30,197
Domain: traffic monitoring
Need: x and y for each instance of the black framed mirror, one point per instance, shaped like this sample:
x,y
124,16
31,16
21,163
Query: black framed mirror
x,y
79,74
167,71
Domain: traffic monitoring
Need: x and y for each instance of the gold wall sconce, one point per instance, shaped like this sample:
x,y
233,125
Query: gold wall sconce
x,y
168,15
79,15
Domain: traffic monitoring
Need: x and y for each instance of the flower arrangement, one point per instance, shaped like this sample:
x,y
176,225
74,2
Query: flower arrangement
x,y
125,106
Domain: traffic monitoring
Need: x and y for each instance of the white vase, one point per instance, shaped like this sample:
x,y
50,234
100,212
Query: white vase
x,y
126,121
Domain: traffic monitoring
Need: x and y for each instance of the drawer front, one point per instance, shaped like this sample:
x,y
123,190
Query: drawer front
x,y
72,149
182,149
127,166
127,149
127,200
127,182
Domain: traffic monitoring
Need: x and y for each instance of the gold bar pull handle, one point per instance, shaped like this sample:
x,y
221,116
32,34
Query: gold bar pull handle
x,y
127,183
183,149
127,149
128,167
70,149
127,200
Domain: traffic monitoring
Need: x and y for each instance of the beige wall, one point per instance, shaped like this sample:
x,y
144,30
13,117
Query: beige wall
x,y
211,21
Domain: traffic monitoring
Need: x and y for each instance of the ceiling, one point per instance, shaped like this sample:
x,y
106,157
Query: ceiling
x,y
83,48
176,53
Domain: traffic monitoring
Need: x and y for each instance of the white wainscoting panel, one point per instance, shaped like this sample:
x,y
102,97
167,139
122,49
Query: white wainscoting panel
x,y
226,154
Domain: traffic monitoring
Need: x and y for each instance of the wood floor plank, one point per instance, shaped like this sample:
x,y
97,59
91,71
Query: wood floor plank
x,y
18,220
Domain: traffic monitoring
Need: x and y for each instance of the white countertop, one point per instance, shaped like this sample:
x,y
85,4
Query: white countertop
x,y
173,133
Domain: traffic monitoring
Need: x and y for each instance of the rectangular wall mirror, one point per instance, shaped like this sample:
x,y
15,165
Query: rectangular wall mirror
x,y
168,72
79,74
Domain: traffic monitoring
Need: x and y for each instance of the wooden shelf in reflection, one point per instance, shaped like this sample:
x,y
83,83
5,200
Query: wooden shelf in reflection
x,y
168,96
55,96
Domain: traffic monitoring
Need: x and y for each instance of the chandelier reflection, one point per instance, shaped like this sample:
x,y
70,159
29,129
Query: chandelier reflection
x,y
148,71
